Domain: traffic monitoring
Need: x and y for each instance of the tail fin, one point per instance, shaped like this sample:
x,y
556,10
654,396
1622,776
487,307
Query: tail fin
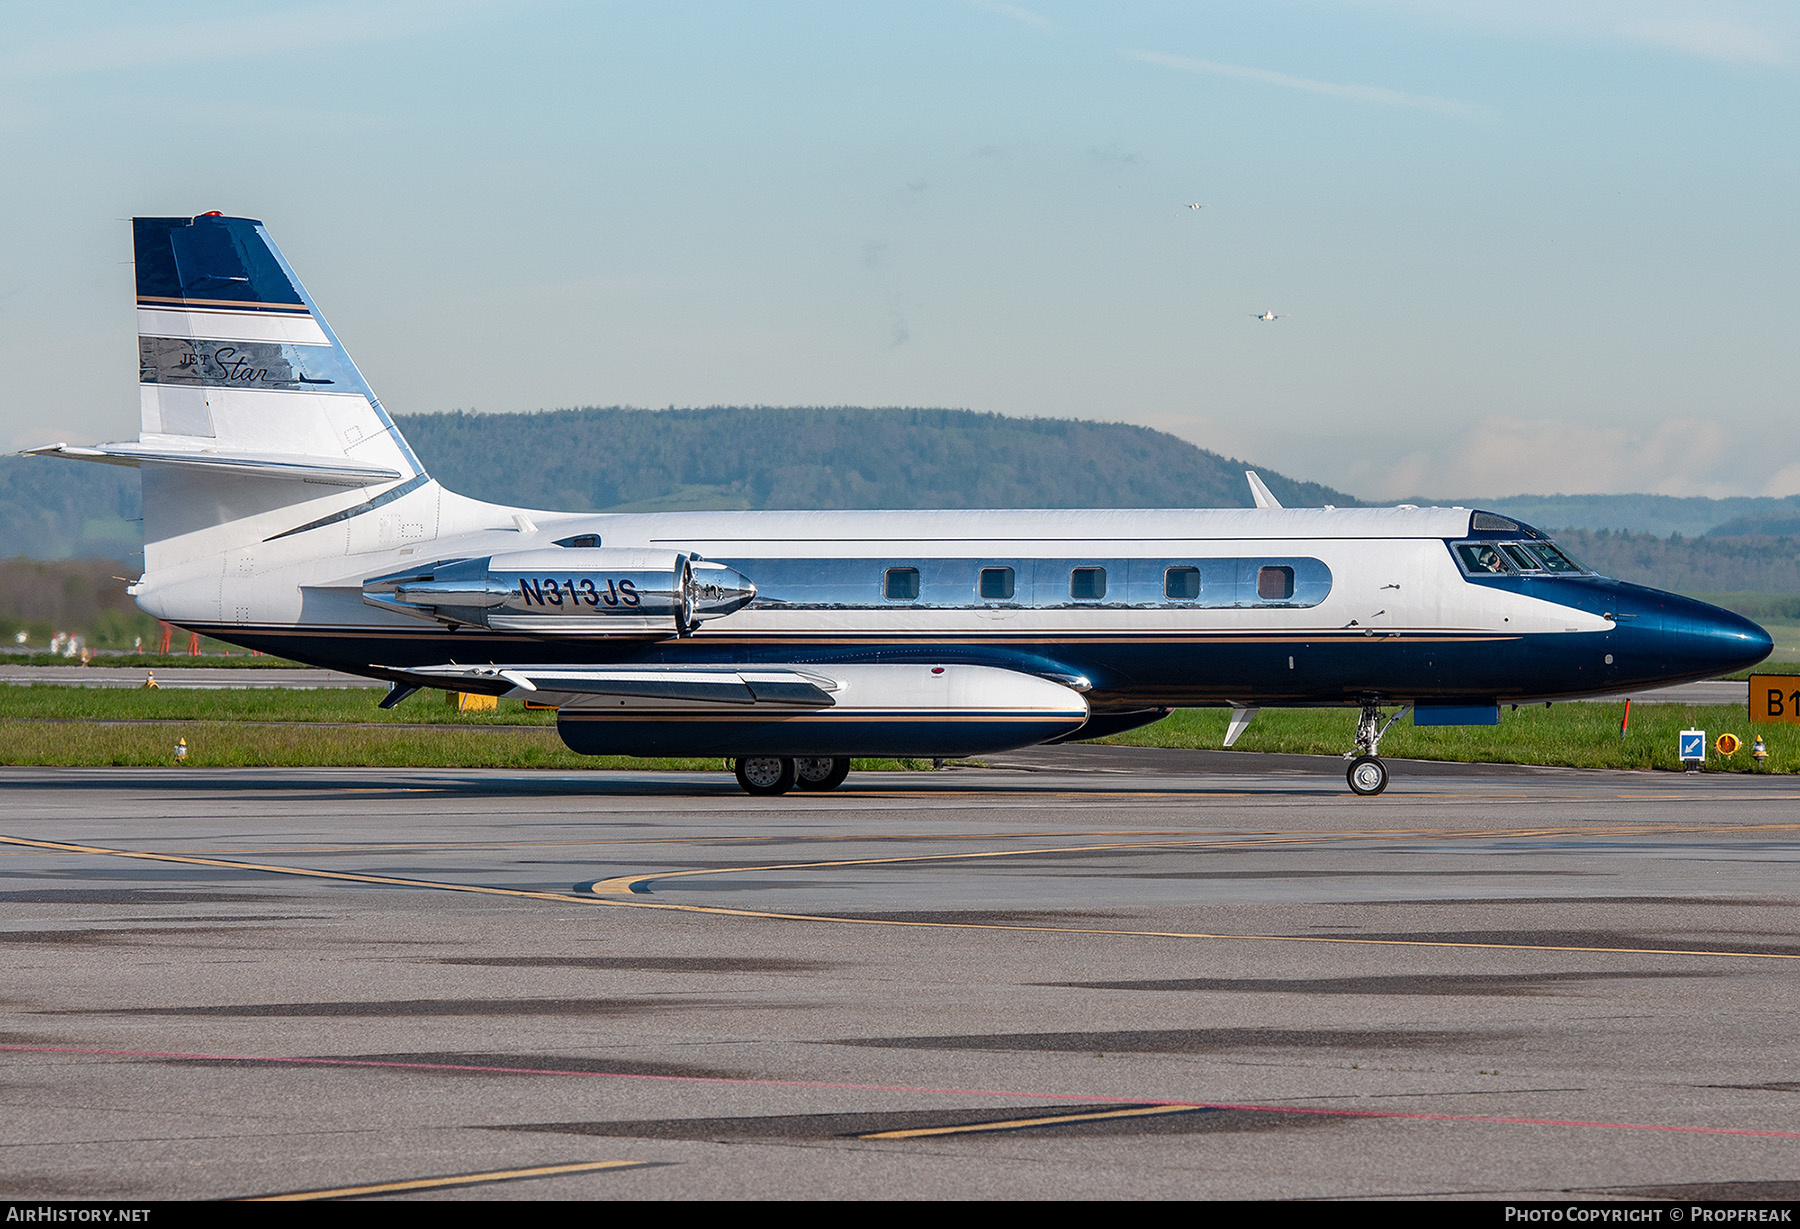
x,y
232,353
254,419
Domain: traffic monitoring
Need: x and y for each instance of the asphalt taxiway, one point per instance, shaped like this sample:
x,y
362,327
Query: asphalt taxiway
x,y
1160,979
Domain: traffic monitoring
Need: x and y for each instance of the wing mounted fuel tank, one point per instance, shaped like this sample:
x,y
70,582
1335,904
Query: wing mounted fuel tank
x,y
604,591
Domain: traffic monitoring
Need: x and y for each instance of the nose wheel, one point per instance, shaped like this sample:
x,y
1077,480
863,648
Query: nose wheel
x,y
765,775
1367,775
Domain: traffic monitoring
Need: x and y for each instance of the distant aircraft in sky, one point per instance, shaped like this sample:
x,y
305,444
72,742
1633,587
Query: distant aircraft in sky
x,y
284,511
1268,315
1196,206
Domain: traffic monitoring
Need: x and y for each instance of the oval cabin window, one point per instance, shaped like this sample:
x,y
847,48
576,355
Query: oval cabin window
x,y
1087,584
1275,584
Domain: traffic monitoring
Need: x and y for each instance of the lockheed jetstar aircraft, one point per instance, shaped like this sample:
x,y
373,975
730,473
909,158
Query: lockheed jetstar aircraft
x,y
284,512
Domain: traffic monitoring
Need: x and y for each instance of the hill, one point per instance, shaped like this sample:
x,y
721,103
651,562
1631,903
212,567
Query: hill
x,y
1709,565
836,457
595,460
843,457
58,510
1662,515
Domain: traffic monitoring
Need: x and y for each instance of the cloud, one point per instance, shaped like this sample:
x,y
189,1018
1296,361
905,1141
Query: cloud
x,y
1503,455
163,43
1740,32
1263,76
1025,16
1783,482
1728,42
874,253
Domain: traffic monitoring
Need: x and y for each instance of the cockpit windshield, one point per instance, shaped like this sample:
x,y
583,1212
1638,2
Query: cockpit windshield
x,y
1553,558
1496,558
1501,546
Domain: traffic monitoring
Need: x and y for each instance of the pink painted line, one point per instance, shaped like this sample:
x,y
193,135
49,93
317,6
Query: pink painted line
x,y
909,1088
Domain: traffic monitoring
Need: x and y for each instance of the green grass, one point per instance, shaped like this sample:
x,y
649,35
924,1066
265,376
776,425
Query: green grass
x,y
238,659
281,728
1567,735
354,704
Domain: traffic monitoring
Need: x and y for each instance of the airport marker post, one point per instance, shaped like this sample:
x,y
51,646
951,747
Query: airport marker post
x,y
1691,746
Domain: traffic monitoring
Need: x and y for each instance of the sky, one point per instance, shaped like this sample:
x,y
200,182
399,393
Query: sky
x,y
1516,246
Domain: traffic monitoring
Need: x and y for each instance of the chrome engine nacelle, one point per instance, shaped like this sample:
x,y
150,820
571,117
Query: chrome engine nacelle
x,y
604,591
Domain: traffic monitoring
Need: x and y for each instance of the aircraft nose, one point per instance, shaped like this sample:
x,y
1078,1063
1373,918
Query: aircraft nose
x,y
1738,641
1684,638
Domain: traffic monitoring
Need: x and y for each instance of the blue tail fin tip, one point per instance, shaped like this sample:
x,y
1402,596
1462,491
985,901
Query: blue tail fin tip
x,y
210,260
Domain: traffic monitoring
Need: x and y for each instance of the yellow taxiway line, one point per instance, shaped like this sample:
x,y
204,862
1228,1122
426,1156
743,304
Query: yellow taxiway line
x,y
625,899
426,1184
1054,1120
633,884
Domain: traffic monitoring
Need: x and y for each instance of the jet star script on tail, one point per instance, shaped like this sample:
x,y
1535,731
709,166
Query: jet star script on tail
x,y
284,512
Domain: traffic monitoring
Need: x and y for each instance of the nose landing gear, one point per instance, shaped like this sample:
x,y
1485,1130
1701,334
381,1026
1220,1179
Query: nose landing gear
x,y
1367,775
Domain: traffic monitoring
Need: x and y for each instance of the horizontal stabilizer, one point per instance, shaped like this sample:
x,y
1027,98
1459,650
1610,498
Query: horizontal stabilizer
x,y
335,471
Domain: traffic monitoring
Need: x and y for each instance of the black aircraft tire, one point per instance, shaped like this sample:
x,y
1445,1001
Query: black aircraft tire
x,y
808,777
765,776
1367,776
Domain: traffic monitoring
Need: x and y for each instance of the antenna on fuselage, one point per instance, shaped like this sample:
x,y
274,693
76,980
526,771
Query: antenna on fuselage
x,y
1259,491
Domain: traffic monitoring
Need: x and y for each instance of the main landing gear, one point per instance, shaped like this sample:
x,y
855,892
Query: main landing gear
x,y
1367,775
769,775
821,772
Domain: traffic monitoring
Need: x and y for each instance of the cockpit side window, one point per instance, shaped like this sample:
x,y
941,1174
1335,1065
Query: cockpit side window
x,y
1482,559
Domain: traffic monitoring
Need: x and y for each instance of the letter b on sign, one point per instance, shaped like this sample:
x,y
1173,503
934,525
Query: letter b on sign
x,y
1774,699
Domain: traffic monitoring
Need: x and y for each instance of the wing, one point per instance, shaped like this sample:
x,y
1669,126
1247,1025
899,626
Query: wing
x,y
908,709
